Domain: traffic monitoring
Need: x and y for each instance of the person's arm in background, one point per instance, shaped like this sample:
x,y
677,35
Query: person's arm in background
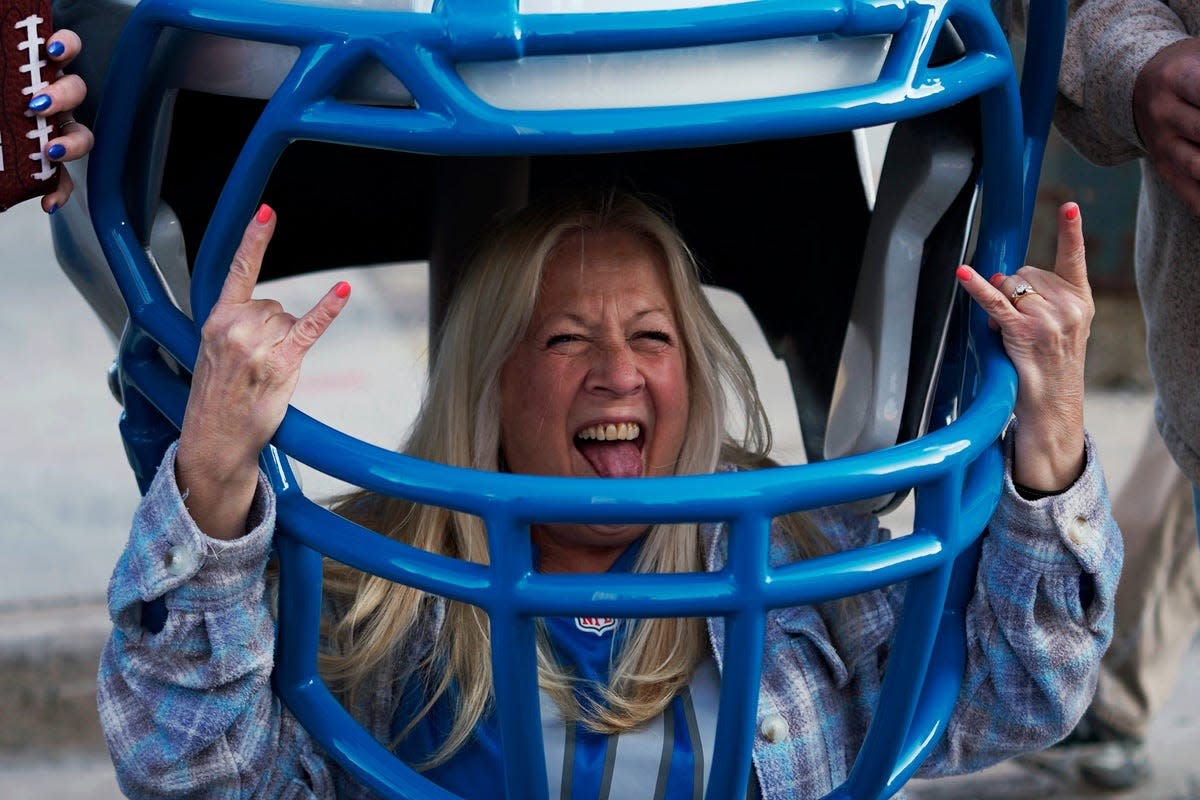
x,y
1108,44
1129,87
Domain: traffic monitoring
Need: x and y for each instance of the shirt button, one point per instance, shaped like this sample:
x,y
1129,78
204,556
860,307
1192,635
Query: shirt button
x,y
1080,530
773,728
178,560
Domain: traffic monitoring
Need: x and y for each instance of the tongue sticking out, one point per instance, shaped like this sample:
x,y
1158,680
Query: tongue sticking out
x,y
613,459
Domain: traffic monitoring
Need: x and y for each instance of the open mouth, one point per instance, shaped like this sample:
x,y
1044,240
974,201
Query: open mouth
x,y
614,449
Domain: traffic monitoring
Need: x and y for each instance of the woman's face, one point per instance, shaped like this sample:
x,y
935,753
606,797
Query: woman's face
x,y
598,386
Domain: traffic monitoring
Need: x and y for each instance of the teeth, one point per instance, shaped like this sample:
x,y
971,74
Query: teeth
x,y
623,431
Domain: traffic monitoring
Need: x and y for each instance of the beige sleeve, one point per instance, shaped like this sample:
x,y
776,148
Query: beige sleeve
x,y
1107,44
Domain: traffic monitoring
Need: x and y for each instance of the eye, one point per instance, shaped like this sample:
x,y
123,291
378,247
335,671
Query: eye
x,y
654,337
561,340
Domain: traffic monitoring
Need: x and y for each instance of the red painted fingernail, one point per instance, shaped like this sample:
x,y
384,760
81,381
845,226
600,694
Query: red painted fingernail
x,y
342,290
996,279
963,273
264,214
1073,212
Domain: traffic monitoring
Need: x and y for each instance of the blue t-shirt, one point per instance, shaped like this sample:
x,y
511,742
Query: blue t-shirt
x,y
668,758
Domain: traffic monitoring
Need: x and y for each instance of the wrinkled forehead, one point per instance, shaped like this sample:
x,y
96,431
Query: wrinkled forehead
x,y
590,270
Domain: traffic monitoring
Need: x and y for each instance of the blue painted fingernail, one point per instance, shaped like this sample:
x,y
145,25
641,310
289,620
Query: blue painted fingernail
x,y
56,49
40,102
56,151
53,208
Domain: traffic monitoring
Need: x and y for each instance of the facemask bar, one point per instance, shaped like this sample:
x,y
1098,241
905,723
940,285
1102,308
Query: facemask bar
x,y
956,469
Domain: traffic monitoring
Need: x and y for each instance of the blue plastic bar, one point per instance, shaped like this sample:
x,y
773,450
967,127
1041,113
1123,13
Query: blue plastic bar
x,y
514,648
308,698
889,735
741,672
702,594
472,30
1049,20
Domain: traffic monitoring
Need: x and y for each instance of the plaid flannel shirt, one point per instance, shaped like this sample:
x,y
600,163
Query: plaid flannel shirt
x,y
189,711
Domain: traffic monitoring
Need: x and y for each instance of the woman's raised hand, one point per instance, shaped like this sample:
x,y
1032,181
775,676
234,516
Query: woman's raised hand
x,y
1044,319
246,371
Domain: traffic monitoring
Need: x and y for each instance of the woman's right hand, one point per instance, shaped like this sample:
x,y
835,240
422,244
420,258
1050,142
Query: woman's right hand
x,y
246,371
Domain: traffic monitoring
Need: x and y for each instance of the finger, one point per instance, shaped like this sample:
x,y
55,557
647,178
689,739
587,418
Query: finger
x,y
311,326
991,299
1186,187
247,261
1019,290
1007,284
1183,154
1070,262
76,140
63,46
53,201
64,94
1186,76
1179,118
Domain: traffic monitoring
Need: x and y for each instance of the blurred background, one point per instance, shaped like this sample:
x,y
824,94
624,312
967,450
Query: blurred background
x,y
67,494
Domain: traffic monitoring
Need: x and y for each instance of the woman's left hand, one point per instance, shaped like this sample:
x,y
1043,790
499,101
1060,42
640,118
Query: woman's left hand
x,y
62,96
1044,319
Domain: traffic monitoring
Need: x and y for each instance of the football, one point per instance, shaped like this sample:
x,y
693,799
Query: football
x,y
25,70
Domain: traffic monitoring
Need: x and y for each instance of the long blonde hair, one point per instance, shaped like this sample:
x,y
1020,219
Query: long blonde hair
x,y
459,424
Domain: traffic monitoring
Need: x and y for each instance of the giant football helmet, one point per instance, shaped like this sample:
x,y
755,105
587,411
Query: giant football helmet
x,y
748,117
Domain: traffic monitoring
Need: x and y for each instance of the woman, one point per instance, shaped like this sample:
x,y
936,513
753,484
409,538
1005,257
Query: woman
x,y
604,359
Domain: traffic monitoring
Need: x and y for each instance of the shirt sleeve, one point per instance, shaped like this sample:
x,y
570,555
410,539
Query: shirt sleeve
x,y
1040,619
189,711
1107,44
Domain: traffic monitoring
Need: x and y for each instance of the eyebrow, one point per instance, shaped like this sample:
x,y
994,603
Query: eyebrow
x,y
571,316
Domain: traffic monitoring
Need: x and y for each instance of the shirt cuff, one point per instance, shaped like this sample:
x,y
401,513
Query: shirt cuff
x,y
168,556
1063,532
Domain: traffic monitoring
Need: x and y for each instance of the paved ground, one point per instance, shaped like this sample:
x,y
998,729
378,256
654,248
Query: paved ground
x,y
66,497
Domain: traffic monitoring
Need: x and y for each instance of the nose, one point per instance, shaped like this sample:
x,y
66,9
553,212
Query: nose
x,y
615,371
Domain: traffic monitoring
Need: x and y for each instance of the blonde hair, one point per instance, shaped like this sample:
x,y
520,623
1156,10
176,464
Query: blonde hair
x,y
459,424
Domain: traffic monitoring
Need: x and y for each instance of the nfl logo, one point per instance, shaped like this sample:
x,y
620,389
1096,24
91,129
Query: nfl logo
x,y
596,625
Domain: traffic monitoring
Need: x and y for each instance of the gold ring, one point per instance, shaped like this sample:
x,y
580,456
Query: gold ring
x,y
62,126
1020,292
